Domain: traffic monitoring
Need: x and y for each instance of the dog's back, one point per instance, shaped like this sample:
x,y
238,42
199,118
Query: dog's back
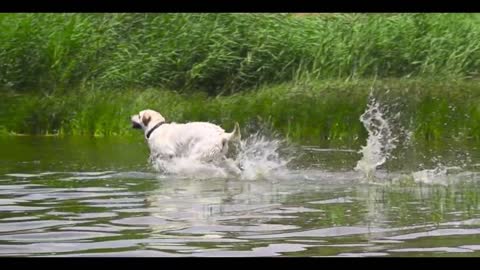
x,y
198,140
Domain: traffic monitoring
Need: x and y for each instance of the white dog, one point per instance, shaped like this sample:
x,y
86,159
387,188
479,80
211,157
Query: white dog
x,y
201,141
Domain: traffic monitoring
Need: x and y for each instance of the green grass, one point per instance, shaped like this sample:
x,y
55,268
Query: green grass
x,y
228,53
315,112
4,131
305,77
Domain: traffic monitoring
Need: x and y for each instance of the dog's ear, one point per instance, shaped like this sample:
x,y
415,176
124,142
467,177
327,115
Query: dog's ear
x,y
146,119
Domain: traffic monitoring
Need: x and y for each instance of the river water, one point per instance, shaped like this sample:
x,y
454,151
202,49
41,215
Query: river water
x,y
79,196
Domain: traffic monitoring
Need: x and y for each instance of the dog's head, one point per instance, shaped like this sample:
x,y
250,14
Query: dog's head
x,y
145,118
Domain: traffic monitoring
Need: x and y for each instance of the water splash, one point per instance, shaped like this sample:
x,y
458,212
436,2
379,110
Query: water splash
x,y
430,176
188,168
442,175
258,157
380,142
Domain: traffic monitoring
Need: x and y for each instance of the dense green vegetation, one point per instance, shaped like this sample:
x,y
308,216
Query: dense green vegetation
x,y
307,77
310,113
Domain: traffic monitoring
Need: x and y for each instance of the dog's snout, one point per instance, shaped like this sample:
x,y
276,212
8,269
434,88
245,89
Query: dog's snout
x,y
135,124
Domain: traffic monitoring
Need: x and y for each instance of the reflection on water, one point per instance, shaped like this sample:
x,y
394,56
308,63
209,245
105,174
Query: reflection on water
x,y
80,197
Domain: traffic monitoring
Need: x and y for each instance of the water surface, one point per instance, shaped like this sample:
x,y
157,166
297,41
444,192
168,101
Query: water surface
x,y
100,197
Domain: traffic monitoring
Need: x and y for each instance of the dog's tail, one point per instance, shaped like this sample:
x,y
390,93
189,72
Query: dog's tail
x,y
235,135
231,141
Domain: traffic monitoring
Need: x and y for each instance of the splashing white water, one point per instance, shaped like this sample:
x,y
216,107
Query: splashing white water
x,y
380,141
258,157
188,167
437,175
441,175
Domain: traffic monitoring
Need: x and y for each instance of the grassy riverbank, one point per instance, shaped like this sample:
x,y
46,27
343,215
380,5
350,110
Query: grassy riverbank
x,y
305,77
310,112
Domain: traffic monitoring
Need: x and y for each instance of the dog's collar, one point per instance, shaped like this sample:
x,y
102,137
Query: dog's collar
x,y
153,129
